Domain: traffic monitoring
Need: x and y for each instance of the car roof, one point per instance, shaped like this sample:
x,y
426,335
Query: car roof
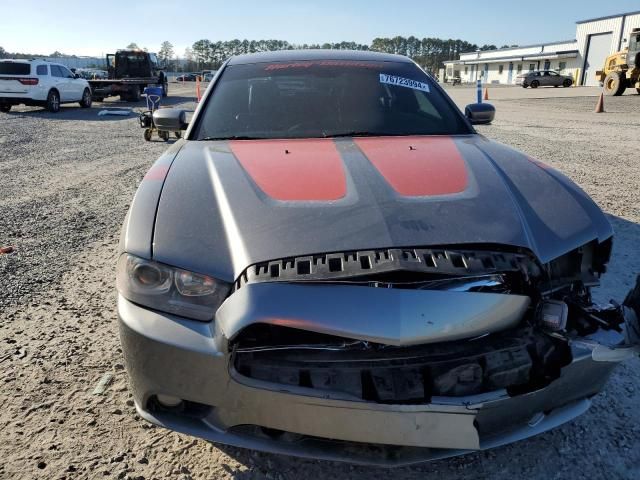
x,y
316,54
28,60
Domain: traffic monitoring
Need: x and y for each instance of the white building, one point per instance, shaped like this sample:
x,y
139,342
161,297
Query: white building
x,y
596,38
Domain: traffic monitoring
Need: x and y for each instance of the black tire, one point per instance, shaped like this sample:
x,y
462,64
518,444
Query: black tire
x,y
53,101
567,83
86,99
6,108
147,134
556,86
179,135
524,85
135,95
614,84
638,90
535,84
164,135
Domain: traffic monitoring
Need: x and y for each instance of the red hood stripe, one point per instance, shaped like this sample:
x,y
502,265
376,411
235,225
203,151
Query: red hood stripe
x,y
417,166
305,169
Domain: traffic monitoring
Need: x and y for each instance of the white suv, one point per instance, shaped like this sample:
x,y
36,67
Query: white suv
x,y
38,82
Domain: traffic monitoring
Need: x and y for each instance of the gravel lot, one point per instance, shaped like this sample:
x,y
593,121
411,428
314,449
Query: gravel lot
x,y
66,182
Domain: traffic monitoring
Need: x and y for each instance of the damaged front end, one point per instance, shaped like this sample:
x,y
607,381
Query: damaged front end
x,y
388,357
478,321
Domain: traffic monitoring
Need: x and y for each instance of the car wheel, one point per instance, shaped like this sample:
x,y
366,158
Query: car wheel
x,y
567,83
86,99
614,84
53,101
6,108
535,84
524,85
164,135
147,134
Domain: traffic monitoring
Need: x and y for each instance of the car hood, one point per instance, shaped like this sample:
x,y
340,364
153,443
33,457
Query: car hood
x,y
226,205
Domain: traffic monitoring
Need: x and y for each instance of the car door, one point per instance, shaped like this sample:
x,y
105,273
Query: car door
x,y
75,86
545,78
60,82
555,79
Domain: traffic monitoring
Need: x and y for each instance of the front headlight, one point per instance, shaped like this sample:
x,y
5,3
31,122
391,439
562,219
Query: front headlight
x,y
169,289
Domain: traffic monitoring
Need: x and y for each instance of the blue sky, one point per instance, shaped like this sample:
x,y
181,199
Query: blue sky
x,y
89,28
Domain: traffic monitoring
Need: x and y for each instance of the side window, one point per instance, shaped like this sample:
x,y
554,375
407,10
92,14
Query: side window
x,y
55,71
519,68
42,70
562,66
500,69
532,67
66,72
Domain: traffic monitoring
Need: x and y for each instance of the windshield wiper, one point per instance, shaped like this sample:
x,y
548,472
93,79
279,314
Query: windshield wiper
x,y
231,137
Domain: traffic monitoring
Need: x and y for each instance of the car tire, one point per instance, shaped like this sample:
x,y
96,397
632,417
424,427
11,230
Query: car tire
x,y
614,84
7,108
524,85
165,89
567,83
535,84
53,101
86,99
164,135
147,134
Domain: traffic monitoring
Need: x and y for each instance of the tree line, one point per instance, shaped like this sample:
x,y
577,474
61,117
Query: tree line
x,y
430,53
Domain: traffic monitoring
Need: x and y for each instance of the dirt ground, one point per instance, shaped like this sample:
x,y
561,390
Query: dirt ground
x,y
65,184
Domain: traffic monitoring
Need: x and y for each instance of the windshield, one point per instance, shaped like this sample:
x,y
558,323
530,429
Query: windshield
x,y
326,98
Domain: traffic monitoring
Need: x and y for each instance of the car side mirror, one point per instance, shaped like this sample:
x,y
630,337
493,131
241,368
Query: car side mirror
x,y
480,113
170,119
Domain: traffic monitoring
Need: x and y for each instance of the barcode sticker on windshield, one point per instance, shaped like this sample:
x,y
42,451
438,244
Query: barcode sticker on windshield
x,y
403,82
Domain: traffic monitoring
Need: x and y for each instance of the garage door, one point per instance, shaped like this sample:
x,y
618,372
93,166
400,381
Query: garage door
x,y
598,48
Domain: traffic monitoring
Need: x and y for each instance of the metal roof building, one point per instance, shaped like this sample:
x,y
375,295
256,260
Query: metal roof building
x,y
596,38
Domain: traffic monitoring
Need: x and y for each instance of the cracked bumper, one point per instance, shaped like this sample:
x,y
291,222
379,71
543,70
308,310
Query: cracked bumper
x,y
173,356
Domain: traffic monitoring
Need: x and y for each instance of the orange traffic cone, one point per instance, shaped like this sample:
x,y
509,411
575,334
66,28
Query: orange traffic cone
x,y
600,104
486,93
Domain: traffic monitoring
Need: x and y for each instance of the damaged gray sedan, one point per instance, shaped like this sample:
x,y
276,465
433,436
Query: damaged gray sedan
x,y
332,263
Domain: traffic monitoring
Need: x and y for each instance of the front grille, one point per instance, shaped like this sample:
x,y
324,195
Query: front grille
x,y
362,263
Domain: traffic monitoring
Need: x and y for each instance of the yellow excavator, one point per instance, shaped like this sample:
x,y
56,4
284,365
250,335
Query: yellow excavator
x,y
622,69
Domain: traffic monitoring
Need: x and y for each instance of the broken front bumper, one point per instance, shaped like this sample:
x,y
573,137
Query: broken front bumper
x,y
169,355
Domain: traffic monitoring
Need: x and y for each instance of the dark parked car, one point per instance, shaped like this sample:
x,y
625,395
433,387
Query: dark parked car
x,y
544,78
187,77
334,264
